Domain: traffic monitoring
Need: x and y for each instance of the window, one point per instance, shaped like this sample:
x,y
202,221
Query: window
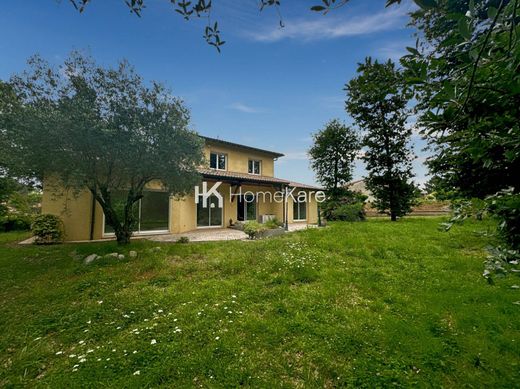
x,y
254,166
217,161
299,210
151,213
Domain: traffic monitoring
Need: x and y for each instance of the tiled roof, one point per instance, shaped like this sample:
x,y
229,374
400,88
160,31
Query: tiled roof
x,y
224,174
226,143
303,186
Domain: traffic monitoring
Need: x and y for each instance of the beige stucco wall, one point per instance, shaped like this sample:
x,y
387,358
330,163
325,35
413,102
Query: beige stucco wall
x,y
238,160
74,208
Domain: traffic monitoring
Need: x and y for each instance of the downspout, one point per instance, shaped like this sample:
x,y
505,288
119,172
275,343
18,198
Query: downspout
x,y
92,217
285,209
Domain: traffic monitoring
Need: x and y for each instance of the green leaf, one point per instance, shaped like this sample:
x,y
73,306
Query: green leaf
x,y
464,28
426,4
412,50
492,12
318,8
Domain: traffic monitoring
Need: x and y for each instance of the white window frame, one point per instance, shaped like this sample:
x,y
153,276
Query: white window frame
x,y
259,162
296,218
218,154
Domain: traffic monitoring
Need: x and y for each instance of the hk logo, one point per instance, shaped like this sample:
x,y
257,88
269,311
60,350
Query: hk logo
x,y
206,194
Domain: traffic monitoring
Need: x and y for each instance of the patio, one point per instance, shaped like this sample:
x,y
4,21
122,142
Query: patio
x,y
217,234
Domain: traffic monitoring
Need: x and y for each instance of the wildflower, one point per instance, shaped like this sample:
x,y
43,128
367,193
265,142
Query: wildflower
x,y
59,353
90,321
137,372
153,341
135,352
100,302
217,337
82,360
81,342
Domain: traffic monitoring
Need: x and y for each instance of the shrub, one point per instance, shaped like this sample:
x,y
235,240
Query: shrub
x,y
47,229
349,212
328,208
253,229
15,222
273,223
183,239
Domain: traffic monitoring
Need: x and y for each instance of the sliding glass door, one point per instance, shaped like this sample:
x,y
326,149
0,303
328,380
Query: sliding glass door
x,y
151,213
246,207
210,216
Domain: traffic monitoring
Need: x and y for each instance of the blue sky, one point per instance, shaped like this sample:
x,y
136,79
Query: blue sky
x,y
269,88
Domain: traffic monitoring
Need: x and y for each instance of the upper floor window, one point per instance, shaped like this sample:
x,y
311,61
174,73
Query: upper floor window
x,y
217,161
254,166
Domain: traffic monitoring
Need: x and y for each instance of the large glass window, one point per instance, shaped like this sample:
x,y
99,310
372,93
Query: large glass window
x,y
254,166
210,216
246,207
151,213
299,210
217,161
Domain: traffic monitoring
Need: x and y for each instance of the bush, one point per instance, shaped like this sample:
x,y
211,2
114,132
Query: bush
x,y
183,239
350,212
330,209
273,223
253,229
15,222
47,229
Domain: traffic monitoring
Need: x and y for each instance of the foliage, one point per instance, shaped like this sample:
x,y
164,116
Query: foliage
x,y
15,222
183,239
273,223
102,129
332,155
331,324
466,78
346,200
19,203
349,212
465,70
504,207
47,229
377,100
253,229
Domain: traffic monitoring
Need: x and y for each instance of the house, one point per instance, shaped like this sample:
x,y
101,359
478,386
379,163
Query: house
x,y
360,187
246,184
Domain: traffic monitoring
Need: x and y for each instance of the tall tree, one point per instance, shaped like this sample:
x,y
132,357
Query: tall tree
x,y
333,154
101,129
377,99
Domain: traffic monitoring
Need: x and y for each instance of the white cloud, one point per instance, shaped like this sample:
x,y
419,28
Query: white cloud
x,y
295,156
237,106
327,27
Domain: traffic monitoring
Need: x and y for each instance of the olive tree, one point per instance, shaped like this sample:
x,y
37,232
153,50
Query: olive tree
x,y
102,129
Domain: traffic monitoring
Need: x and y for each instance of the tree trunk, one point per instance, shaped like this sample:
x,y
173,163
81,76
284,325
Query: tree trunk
x,y
393,216
123,235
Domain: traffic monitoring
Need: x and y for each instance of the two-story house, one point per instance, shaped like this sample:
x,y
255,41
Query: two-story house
x,y
248,187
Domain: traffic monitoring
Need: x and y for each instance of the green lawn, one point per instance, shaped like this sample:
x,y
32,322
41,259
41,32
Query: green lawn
x,y
356,304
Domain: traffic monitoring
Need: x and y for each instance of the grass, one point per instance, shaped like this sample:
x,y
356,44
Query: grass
x,y
356,304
